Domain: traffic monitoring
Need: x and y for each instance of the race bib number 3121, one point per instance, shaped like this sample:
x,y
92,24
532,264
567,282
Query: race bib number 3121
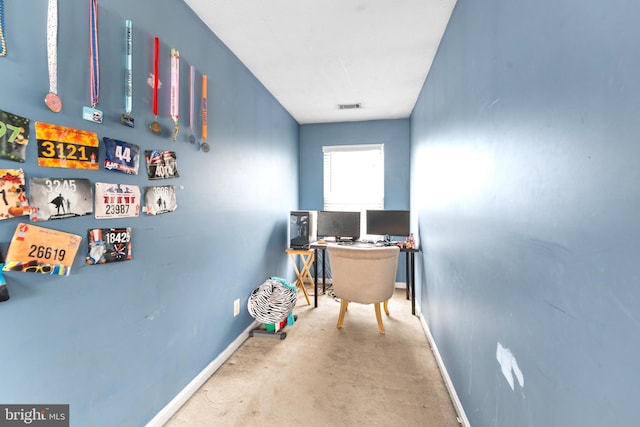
x,y
63,147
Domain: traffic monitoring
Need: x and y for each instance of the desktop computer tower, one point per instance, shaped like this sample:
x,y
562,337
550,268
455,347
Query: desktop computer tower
x,y
302,229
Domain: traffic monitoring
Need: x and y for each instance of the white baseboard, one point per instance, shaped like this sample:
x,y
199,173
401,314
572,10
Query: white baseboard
x,y
462,417
172,407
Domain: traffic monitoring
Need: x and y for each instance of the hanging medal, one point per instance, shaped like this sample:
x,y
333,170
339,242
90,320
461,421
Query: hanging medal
x,y
175,90
126,118
52,99
192,76
91,113
155,126
3,44
204,146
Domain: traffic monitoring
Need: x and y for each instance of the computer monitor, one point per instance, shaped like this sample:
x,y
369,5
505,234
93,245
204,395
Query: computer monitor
x,y
388,223
341,225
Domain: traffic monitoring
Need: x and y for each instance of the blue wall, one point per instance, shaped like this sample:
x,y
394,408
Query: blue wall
x,y
526,183
118,342
394,134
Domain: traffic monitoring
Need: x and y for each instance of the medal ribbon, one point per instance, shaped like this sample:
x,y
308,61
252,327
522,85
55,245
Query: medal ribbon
x,y
192,76
175,89
204,107
156,60
128,83
52,45
3,44
94,58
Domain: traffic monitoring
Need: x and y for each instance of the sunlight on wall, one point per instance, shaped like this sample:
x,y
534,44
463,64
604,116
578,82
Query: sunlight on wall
x,y
450,173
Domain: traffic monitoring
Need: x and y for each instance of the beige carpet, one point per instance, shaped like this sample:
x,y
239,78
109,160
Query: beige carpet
x,y
321,376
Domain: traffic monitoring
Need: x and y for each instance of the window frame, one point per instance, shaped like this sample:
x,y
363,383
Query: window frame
x,y
369,198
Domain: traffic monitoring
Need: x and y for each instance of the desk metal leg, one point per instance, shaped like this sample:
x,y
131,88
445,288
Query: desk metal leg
x,y
315,278
324,272
407,277
413,282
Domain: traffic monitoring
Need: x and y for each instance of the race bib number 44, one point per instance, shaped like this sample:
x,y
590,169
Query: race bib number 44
x,y
121,156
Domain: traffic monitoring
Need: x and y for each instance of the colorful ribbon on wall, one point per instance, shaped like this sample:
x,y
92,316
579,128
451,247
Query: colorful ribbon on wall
x,y
192,77
94,56
92,113
204,146
52,99
155,126
126,118
175,91
3,44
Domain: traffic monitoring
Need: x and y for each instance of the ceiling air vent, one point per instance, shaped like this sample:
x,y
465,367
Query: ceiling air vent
x,y
349,106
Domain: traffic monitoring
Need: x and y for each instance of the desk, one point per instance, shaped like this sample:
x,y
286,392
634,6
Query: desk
x,y
410,271
307,257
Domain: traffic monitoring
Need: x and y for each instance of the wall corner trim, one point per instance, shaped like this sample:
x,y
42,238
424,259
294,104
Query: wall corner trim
x,y
181,398
462,416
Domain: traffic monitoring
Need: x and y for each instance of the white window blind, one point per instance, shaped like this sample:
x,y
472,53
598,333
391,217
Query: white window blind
x,y
353,177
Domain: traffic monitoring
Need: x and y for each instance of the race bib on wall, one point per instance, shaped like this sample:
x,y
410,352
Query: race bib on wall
x,y
41,250
160,199
117,200
161,164
63,147
109,245
13,197
14,136
121,156
59,198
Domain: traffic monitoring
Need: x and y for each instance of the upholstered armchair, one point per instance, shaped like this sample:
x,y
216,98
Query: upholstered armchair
x,y
363,275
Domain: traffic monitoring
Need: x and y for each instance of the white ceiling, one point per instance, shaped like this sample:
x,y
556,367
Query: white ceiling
x,y
313,55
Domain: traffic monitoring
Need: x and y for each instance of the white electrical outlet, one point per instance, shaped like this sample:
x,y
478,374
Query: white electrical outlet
x,y
236,307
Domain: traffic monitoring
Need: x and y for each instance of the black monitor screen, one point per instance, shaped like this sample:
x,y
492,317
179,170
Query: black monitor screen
x,y
388,223
338,224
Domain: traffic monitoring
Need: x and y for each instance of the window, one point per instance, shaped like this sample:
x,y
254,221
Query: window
x,y
353,178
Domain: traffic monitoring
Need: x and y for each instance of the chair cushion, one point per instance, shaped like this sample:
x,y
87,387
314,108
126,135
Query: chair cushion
x,y
363,275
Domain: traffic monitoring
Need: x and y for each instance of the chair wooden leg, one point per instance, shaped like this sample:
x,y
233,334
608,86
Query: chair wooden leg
x,y
379,317
386,307
343,309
